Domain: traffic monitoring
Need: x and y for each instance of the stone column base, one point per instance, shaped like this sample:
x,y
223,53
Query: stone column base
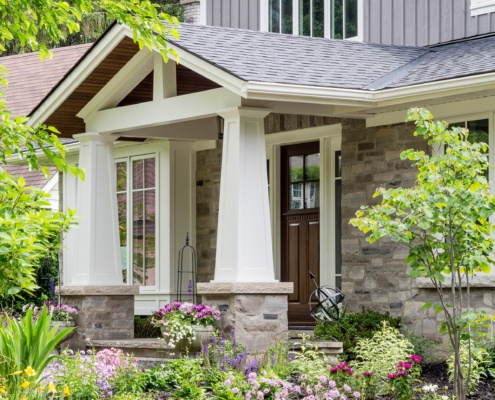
x,y
105,312
257,311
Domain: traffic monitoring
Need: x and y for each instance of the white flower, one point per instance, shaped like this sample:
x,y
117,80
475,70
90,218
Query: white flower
x,y
430,388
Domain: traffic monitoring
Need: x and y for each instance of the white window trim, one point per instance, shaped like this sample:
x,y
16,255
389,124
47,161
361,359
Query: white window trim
x,y
264,15
330,138
480,7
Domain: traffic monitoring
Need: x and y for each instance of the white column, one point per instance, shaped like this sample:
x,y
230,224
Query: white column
x,y
244,242
97,252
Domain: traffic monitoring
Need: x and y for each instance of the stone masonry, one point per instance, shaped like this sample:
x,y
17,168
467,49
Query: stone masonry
x,y
192,12
105,312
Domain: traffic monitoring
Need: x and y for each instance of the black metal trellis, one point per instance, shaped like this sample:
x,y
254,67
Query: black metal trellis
x,y
191,273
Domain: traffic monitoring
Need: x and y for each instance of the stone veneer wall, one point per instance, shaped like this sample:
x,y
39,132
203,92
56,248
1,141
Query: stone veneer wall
x,y
376,276
192,12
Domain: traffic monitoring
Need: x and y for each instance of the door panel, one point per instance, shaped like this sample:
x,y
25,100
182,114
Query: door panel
x,y
300,226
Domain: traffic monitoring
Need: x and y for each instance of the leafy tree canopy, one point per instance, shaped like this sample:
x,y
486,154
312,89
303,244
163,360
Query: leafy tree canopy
x,y
27,229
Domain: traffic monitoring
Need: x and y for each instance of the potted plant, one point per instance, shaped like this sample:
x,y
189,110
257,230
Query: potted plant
x,y
185,326
61,313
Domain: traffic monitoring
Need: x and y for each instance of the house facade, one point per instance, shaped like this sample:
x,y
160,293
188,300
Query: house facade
x,y
261,146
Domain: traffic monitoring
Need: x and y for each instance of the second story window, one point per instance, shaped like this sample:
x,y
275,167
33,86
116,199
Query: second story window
x,y
336,19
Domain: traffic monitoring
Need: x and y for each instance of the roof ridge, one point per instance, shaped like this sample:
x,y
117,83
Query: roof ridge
x,y
398,73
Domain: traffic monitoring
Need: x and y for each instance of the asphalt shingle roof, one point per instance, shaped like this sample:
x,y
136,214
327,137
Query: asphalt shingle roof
x,y
30,79
288,59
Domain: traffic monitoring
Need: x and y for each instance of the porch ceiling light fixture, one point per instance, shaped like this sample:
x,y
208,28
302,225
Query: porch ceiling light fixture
x,y
220,126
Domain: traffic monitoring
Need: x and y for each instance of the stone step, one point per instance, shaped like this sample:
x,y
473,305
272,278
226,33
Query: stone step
x,y
140,348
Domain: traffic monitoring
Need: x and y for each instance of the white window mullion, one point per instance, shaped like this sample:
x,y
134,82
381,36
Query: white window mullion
x,y
327,19
295,17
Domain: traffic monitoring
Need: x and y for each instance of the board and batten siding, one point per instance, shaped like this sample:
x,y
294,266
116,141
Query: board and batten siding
x,y
243,14
422,22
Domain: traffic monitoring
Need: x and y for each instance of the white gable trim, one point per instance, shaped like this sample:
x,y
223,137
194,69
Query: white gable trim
x,y
115,90
164,111
97,54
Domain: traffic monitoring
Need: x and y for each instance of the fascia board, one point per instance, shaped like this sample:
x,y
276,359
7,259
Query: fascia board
x,y
79,74
366,98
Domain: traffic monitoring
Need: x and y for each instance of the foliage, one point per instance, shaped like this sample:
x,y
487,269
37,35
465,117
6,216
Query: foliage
x,y
179,318
143,327
24,343
402,379
92,25
473,362
91,375
444,220
422,346
357,325
223,355
308,361
58,312
381,354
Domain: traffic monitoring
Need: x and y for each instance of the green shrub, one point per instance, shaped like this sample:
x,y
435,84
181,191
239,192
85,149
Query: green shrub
x,y
422,346
143,328
479,358
381,354
360,325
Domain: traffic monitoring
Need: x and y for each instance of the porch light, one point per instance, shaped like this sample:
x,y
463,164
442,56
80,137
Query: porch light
x,y
220,126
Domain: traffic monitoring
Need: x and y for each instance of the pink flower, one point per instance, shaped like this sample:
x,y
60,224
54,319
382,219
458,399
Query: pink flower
x,y
235,390
356,395
415,358
347,388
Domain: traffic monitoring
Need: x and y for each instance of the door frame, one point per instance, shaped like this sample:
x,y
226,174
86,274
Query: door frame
x,y
330,138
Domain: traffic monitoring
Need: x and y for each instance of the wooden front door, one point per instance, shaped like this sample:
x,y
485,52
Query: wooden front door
x,y
300,174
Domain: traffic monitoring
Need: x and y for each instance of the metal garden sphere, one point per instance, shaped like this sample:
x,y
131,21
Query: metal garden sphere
x,y
327,304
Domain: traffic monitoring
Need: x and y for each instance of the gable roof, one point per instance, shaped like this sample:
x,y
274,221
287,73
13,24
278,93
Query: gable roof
x,y
30,80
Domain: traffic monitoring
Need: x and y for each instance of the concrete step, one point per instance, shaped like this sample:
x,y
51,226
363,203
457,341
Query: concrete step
x,y
140,348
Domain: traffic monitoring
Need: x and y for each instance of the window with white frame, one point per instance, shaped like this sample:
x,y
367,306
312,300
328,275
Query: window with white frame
x,y
136,199
479,7
336,19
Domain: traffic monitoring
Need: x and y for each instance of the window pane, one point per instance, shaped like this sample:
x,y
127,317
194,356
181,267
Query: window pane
x,y
478,131
295,168
312,195
336,18
312,167
122,213
274,16
149,168
305,17
318,18
149,238
138,238
351,18
286,16
296,196
137,174
121,168
338,231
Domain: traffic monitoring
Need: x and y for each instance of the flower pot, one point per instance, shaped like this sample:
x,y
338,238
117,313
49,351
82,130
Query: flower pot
x,y
201,333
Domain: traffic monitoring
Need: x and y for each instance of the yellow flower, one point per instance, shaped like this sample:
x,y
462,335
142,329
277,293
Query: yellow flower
x,y
51,388
66,391
17,372
41,388
2,390
29,371
25,384
23,398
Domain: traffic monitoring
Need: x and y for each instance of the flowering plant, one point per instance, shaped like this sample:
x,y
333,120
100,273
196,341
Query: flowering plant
x,y
178,319
58,311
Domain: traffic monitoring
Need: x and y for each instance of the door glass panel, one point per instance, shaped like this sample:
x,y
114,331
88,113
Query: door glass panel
x,y
121,176
338,164
296,168
149,238
296,196
122,213
312,195
312,167
138,238
149,169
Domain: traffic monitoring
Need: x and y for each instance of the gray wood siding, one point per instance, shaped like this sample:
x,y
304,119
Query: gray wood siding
x,y
422,22
243,14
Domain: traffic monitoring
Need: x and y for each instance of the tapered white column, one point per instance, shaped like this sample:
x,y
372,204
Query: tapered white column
x,y
97,244
244,239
